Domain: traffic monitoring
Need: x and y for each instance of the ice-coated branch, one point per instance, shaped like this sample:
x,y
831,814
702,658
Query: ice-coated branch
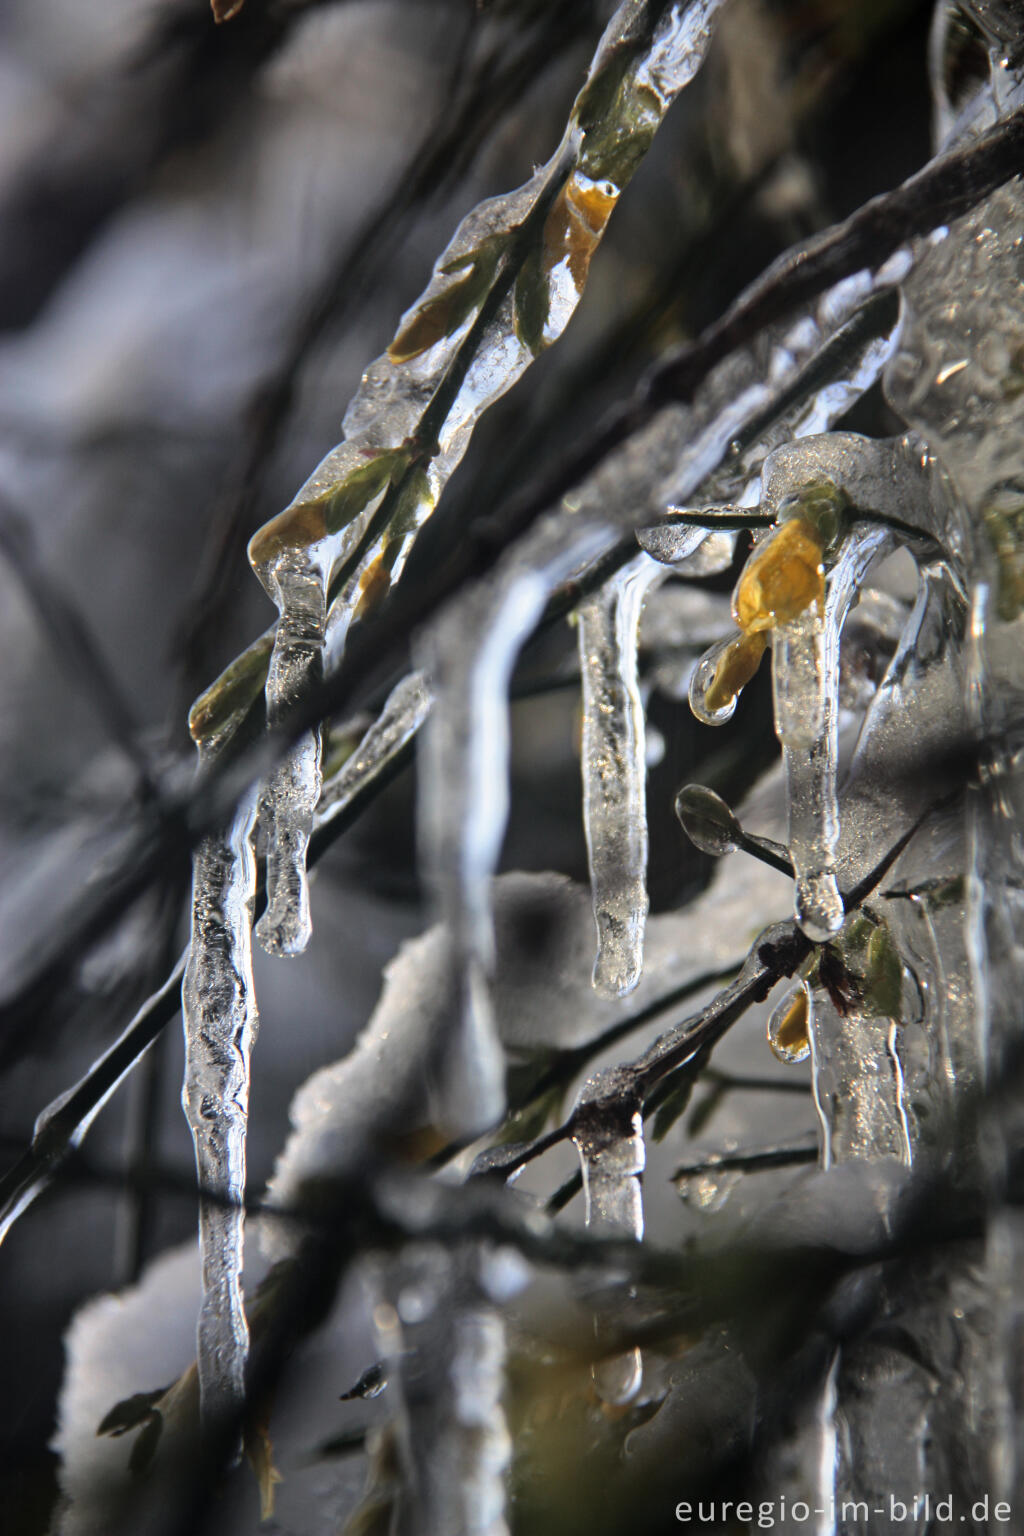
x,y
504,289
609,1138
945,187
407,706
778,952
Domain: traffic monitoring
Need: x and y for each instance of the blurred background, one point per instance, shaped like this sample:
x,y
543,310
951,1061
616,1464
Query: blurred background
x,y
206,233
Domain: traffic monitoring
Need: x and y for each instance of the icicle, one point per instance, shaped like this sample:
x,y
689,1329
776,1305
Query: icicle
x,y
782,589
857,1072
614,774
469,656
407,706
444,1342
805,677
612,1158
219,1008
289,798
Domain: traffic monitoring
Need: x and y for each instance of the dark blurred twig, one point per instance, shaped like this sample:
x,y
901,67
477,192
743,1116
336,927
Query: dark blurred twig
x,y
73,644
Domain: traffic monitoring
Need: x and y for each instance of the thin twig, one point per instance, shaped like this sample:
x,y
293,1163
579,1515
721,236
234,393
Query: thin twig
x,y
776,953
750,1160
74,645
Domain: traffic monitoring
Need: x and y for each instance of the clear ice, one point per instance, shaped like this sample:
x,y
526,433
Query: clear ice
x,y
612,1159
289,798
805,687
407,706
219,1008
889,1089
614,774
468,656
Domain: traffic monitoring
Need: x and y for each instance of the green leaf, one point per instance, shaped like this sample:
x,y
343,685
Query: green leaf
x,y
532,302
228,700
344,504
442,315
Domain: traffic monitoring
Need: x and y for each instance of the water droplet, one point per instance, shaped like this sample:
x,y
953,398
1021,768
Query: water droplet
x,y
709,1189
617,1381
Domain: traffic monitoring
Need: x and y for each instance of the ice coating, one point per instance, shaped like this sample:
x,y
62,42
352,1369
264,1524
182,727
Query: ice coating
x,y
789,1026
799,379
974,418
708,1190
707,821
504,288
857,1073
808,486
840,358
614,774
722,673
612,1159
407,706
219,1009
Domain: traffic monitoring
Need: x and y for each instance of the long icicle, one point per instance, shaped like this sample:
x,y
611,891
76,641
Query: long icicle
x,y
615,773
219,1008
468,656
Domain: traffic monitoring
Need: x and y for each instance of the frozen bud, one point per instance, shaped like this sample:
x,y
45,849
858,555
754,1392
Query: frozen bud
x,y
723,670
789,1026
707,820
